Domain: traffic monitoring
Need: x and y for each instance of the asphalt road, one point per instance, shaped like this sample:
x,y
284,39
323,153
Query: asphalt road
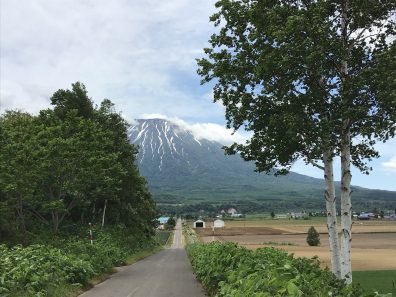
x,y
165,274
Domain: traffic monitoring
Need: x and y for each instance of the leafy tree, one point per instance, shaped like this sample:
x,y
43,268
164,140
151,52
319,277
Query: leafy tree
x,y
134,205
18,175
307,78
71,163
170,224
313,237
76,166
74,99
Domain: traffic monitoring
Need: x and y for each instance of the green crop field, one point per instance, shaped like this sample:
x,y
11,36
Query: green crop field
x,y
383,281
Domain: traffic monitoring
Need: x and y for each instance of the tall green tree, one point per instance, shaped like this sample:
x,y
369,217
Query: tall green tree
x,y
71,163
76,164
134,205
18,175
312,80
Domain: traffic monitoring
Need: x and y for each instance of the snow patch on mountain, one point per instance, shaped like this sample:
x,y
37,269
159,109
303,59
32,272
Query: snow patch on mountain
x,y
208,131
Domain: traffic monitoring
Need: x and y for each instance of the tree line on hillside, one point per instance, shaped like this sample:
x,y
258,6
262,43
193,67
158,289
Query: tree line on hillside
x,y
72,163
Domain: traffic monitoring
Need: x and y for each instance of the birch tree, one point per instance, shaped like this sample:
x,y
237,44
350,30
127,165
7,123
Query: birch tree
x,y
313,80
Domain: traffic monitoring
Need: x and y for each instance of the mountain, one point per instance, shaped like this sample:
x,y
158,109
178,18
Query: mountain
x,y
183,170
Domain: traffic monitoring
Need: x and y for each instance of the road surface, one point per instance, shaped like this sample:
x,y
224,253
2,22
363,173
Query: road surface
x,y
165,274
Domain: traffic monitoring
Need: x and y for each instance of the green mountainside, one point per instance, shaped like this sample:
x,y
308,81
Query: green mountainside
x,y
188,174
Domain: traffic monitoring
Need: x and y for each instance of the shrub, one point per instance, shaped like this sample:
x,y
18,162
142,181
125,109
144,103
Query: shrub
x,y
313,237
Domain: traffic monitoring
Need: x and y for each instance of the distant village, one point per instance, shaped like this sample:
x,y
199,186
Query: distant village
x,y
232,213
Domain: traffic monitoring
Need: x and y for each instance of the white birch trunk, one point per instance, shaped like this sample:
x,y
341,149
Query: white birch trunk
x,y
331,213
346,206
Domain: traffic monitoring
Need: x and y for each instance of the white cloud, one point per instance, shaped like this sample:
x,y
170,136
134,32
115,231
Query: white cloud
x,y
390,165
146,116
139,54
216,132
210,131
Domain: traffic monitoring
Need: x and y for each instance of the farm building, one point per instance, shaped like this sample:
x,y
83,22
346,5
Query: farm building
x,y
232,211
199,224
298,215
218,224
282,216
163,220
364,216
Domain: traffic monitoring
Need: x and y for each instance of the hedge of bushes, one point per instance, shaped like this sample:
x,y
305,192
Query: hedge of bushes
x,y
226,269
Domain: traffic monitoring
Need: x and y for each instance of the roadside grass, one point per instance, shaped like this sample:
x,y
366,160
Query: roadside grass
x,y
64,290
170,240
162,236
382,281
143,254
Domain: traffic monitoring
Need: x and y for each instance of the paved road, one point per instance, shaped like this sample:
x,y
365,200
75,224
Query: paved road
x,y
165,274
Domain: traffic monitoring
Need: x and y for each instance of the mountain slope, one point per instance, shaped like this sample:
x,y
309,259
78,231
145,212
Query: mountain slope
x,y
181,168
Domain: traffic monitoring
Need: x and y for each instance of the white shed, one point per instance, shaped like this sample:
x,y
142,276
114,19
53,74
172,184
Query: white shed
x,y
218,224
199,224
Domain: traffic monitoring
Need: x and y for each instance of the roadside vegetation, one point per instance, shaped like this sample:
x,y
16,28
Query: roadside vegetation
x,y
226,269
72,202
67,259
374,246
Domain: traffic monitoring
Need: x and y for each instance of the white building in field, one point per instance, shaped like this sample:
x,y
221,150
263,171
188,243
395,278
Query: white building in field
x,y
282,216
232,211
218,224
298,215
199,224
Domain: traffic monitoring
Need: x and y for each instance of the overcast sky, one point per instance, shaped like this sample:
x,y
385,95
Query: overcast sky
x,y
140,54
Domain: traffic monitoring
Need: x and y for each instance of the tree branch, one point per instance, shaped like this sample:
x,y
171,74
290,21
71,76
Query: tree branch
x,y
316,165
72,204
38,216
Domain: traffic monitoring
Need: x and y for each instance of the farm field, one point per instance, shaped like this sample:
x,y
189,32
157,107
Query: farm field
x,y
373,248
382,280
301,226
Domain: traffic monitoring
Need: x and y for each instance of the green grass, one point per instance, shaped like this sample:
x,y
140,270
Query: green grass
x,y
162,236
64,290
278,243
383,281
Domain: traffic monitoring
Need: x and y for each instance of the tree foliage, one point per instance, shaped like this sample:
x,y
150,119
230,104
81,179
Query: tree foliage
x,y
170,224
64,163
277,70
